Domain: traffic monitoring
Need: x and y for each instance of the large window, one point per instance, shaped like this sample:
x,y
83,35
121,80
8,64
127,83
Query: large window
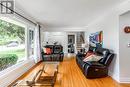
x,y
12,44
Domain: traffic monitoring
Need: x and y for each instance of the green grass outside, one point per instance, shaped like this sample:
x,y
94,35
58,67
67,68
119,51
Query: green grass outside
x,y
20,52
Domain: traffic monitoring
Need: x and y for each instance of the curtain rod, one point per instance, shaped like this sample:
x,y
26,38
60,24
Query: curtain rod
x,y
18,14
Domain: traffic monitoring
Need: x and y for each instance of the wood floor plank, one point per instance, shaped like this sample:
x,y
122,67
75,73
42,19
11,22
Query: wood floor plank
x,y
71,76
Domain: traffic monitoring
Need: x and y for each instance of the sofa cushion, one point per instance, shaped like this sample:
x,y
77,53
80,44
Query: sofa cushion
x,y
102,51
57,49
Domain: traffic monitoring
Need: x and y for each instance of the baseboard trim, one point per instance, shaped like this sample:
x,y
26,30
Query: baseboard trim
x,y
124,80
115,77
119,79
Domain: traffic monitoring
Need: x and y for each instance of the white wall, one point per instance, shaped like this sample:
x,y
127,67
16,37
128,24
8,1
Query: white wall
x,y
51,37
124,52
109,23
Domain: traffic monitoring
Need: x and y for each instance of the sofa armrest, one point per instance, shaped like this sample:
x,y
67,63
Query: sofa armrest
x,y
95,70
61,52
80,55
94,63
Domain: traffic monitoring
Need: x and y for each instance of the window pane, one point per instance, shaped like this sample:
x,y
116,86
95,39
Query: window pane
x,y
31,42
12,44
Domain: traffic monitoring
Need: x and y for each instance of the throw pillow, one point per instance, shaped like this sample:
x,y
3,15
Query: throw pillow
x,y
92,58
47,50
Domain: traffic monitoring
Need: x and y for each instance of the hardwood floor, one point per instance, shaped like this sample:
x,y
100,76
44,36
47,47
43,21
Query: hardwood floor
x,y
71,76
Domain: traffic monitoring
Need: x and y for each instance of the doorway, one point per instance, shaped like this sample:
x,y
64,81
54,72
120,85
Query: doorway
x,y
71,43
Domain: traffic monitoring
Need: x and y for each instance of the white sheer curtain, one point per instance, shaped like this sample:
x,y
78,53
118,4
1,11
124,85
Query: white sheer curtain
x,y
37,47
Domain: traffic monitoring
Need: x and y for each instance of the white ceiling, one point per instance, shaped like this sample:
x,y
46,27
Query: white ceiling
x,y
66,13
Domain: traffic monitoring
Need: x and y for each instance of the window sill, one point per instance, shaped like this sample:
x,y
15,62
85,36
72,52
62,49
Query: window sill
x,y
14,67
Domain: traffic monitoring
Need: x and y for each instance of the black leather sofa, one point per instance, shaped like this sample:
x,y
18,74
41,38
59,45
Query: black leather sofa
x,y
56,53
93,69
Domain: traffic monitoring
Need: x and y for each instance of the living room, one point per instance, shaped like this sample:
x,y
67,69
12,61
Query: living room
x,y
58,25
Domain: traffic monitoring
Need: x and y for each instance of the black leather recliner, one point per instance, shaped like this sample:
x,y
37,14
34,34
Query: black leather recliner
x,y
56,54
80,56
92,69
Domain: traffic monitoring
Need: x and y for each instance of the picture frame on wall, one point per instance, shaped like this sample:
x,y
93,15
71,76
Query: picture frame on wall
x,y
96,39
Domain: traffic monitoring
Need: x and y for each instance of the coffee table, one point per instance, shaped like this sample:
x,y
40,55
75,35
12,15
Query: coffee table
x,y
45,76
